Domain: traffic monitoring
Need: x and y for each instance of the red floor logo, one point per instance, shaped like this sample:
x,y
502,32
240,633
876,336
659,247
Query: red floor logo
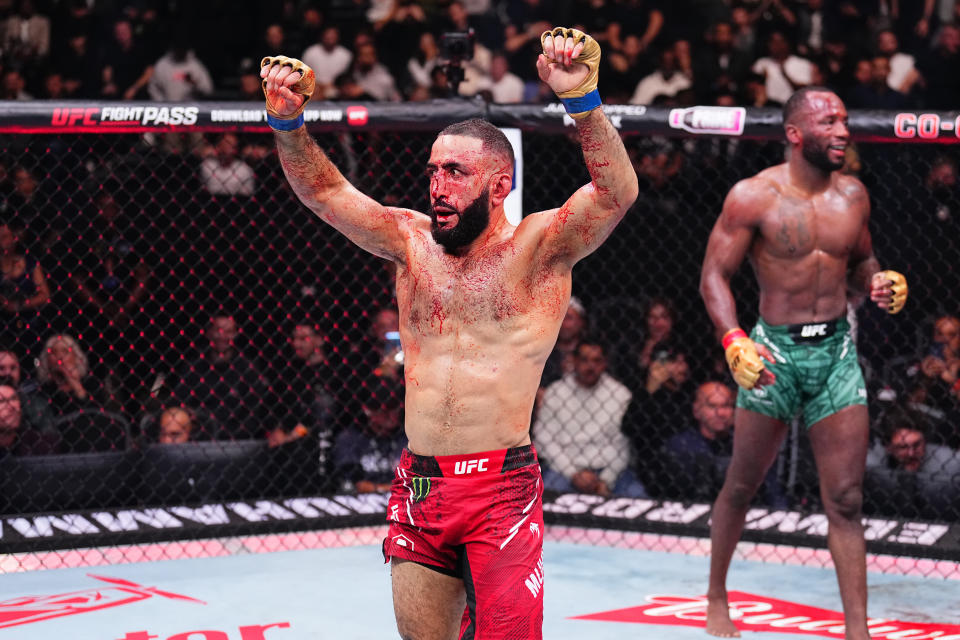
x,y
30,609
758,613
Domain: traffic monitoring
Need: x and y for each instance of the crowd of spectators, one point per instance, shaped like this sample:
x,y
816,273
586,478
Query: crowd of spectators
x,y
182,302
874,53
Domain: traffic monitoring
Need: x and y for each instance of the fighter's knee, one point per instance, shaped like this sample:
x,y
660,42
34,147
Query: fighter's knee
x,y
844,502
740,494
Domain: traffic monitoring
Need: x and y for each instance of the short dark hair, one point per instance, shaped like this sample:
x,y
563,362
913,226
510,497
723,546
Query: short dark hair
x,y
896,418
798,100
660,301
493,139
591,341
7,381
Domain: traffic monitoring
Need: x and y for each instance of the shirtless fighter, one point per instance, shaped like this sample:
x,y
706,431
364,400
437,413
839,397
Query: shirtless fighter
x,y
481,302
804,228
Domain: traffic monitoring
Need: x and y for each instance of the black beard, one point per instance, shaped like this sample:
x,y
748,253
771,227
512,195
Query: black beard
x,y
472,220
819,157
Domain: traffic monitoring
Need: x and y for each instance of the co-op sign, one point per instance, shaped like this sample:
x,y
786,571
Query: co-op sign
x,y
924,125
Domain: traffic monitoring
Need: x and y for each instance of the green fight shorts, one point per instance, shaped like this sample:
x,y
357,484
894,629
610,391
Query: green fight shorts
x,y
816,368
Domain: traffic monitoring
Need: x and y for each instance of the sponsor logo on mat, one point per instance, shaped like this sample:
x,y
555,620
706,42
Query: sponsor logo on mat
x,y
759,613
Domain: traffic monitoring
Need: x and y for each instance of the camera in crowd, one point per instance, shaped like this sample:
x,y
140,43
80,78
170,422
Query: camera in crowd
x,y
456,47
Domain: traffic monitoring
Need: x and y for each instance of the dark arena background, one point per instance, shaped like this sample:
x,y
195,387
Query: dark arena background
x,y
183,273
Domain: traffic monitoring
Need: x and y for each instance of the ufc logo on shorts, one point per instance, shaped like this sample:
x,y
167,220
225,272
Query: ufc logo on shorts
x,y
469,466
813,330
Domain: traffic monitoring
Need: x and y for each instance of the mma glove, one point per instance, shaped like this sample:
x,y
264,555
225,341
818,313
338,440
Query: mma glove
x,y
899,287
304,87
742,358
583,98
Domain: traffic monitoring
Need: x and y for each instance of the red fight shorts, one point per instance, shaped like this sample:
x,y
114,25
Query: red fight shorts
x,y
477,517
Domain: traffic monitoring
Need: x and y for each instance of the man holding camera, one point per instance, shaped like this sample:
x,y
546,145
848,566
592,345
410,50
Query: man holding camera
x,y
481,302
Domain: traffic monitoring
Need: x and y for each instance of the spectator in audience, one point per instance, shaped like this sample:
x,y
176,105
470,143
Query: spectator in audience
x,y
938,70
932,384
274,41
78,65
426,58
622,70
811,27
836,63
399,30
26,34
877,94
503,86
657,409
179,75
346,87
862,76
907,475
903,73
304,390
24,291
328,59
640,17
634,360
14,86
754,92
578,429
572,330
34,404
667,80
16,437
224,173
79,401
913,22
373,355
111,277
366,453
126,68
526,21
783,71
63,371
224,383
718,66
942,200
249,80
744,34
696,459
53,87
371,75
27,205
175,426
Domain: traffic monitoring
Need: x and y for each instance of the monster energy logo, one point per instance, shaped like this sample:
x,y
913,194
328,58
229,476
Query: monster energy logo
x,y
421,487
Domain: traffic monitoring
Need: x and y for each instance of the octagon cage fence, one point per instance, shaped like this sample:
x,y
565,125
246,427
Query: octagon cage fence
x,y
162,262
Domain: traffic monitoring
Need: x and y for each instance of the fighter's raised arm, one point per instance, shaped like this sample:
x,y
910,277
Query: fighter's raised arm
x,y
568,65
287,86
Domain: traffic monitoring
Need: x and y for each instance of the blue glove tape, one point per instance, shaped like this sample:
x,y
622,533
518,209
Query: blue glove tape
x,y
278,124
583,104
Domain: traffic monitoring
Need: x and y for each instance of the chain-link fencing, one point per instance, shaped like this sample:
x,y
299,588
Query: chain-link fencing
x,y
192,353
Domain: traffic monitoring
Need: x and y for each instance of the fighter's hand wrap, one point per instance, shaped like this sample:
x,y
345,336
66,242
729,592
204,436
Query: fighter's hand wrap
x,y
304,87
742,357
899,288
583,98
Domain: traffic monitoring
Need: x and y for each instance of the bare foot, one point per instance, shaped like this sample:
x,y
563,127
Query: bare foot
x,y
718,619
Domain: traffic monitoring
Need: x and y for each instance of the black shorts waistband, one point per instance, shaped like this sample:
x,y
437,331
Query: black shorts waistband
x,y
471,464
808,332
